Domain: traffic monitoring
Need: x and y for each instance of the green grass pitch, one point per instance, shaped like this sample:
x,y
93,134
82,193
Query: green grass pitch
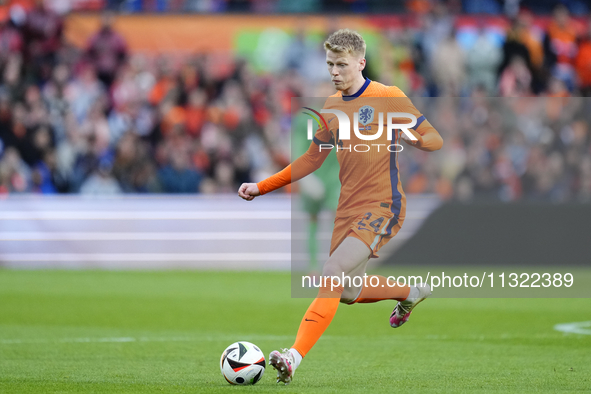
x,y
163,332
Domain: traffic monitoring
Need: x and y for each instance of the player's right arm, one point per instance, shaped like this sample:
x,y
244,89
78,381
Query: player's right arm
x,y
302,166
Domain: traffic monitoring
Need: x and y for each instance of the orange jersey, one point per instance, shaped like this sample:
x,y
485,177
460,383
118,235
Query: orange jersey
x,y
370,179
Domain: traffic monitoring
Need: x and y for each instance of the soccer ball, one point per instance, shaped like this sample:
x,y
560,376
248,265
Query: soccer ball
x,y
242,363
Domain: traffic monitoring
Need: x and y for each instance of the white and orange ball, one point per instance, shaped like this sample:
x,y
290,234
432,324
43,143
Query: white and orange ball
x,y
242,363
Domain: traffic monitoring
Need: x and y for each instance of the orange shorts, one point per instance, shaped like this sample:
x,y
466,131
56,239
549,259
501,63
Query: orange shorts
x,y
374,228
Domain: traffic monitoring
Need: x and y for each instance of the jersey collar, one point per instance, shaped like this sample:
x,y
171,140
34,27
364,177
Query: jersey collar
x,y
359,92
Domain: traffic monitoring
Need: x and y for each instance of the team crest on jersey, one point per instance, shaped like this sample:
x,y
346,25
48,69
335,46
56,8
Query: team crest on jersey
x,y
366,114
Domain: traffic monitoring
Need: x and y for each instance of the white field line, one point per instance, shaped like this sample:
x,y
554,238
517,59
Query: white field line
x,y
144,215
583,328
205,338
167,215
23,236
254,337
158,257
144,236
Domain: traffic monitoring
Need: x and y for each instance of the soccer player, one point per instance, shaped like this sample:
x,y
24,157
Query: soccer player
x,y
372,205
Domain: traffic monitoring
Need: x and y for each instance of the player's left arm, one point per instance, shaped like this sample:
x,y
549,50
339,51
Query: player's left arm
x,y
428,139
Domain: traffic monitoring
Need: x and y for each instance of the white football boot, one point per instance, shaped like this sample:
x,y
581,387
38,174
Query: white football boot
x,y
402,311
284,363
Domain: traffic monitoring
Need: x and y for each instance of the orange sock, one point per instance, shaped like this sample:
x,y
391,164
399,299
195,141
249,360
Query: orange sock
x,y
317,318
383,291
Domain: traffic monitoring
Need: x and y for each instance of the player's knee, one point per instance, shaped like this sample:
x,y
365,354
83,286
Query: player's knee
x,y
349,294
332,268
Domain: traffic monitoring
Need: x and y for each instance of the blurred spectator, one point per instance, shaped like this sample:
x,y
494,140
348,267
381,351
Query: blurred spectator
x,y
107,50
557,88
11,40
54,96
583,63
133,167
196,112
560,46
524,32
307,56
15,174
179,177
448,67
43,174
83,91
482,62
437,26
101,181
516,79
516,62
43,34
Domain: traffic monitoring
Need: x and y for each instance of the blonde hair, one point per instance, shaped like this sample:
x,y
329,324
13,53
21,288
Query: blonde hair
x,y
347,41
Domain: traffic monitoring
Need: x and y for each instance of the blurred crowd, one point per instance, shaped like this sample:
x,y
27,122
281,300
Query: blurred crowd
x,y
103,120
508,7
505,149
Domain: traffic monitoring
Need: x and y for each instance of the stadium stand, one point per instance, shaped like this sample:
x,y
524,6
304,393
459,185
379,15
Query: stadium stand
x,y
102,117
